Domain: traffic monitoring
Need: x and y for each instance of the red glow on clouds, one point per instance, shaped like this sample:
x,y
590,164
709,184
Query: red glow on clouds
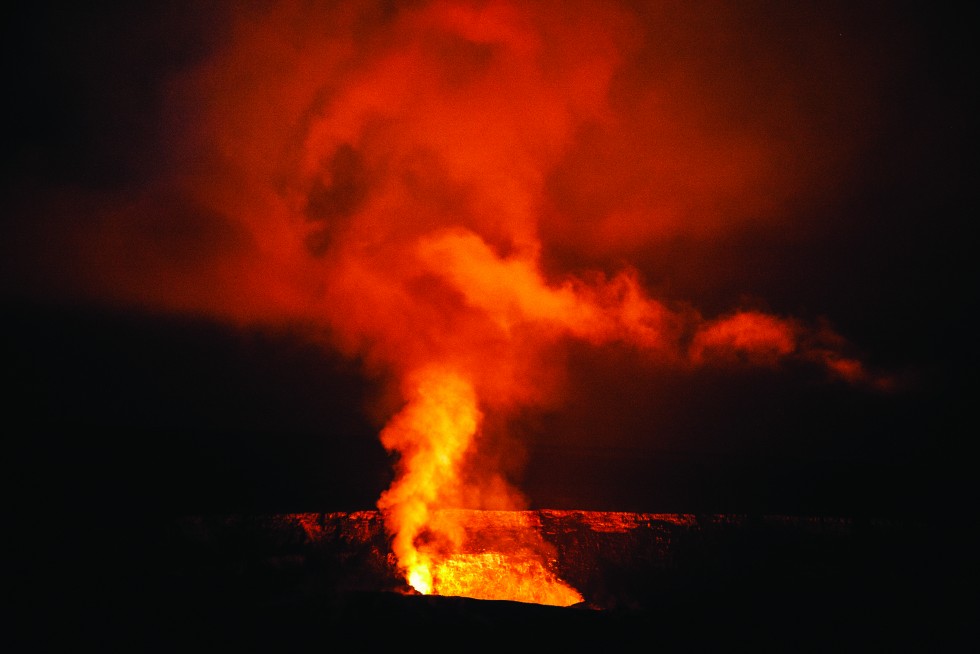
x,y
761,338
428,185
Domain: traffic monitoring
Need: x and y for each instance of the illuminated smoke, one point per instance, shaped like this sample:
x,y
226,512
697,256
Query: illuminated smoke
x,y
452,190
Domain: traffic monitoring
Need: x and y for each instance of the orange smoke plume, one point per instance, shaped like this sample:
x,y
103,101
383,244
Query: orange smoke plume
x,y
451,191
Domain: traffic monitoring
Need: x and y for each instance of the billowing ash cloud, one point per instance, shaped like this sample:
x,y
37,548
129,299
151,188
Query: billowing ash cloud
x,y
453,191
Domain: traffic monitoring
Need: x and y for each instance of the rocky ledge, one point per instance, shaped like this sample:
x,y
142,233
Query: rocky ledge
x,y
671,582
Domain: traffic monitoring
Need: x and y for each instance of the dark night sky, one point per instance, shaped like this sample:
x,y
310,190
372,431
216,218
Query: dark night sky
x,y
123,402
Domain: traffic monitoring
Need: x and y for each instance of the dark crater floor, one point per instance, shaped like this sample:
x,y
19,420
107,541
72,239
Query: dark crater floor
x,y
667,582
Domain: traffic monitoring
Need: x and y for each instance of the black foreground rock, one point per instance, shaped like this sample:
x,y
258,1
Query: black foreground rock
x,y
654,581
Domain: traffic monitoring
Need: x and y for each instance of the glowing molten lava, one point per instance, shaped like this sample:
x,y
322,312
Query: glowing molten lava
x,y
433,434
496,575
